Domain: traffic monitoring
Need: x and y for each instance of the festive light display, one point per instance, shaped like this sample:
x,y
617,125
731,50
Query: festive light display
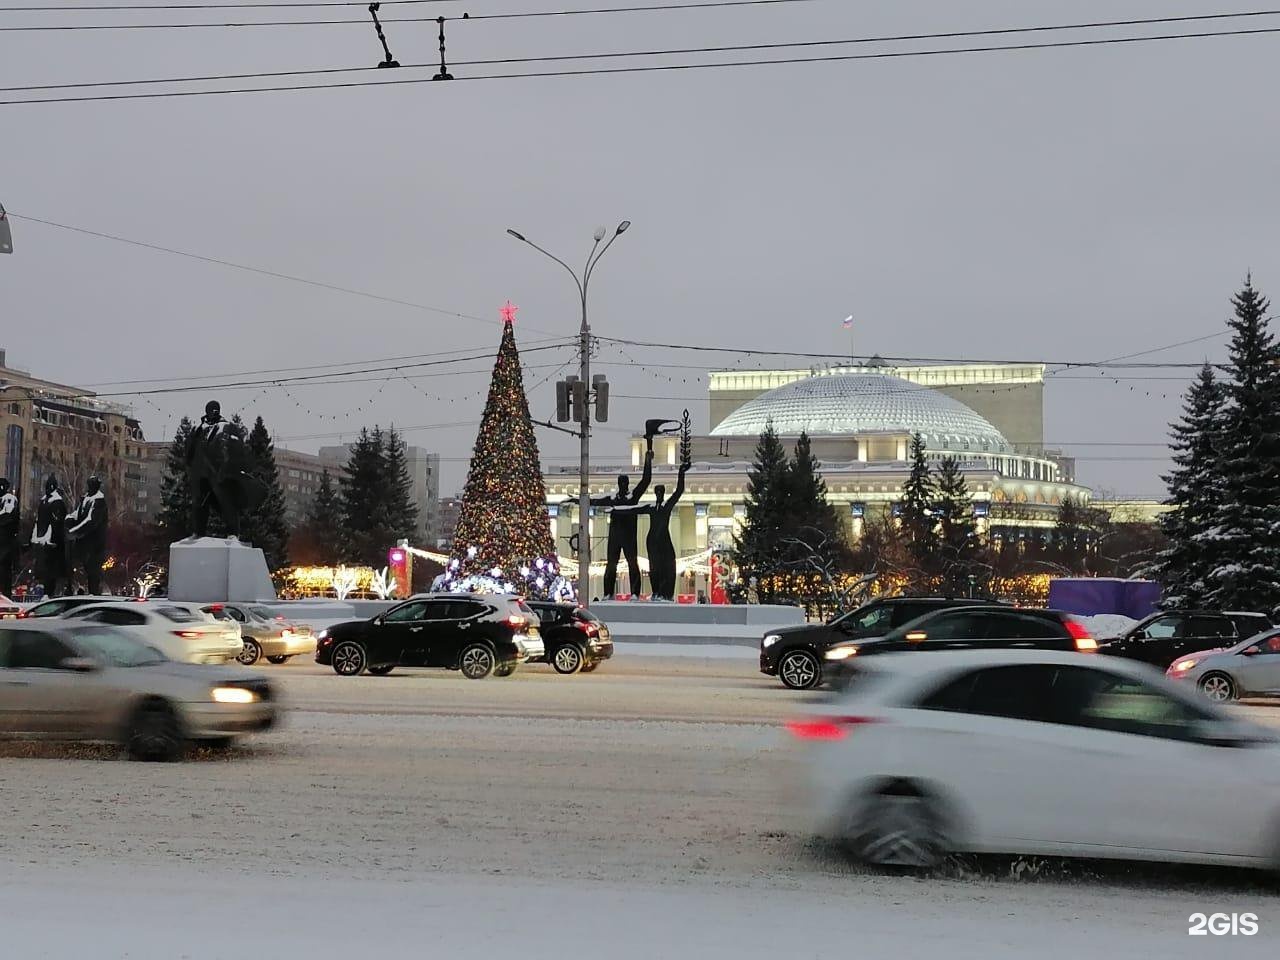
x,y
503,540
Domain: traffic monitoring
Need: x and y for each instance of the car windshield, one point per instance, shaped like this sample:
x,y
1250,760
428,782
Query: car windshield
x,y
262,613
179,614
116,648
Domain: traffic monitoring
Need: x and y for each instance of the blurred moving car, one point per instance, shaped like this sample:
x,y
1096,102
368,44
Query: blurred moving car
x,y
262,634
476,633
180,631
967,628
1036,752
795,654
9,610
1250,668
70,680
60,605
1164,637
574,637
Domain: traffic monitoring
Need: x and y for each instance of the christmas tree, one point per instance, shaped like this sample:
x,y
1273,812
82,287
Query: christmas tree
x,y
919,525
503,540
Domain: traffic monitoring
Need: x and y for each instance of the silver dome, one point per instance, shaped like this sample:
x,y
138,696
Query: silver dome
x,y
864,403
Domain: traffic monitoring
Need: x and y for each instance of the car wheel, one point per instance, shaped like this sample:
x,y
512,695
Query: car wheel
x,y
567,659
278,660
1217,687
506,670
218,743
349,659
476,662
155,733
898,826
250,653
383,670
590,667
800,670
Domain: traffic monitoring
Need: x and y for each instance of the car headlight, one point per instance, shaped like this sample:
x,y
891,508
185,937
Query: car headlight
x,y
1183,665
770,640
841,653
322,634
232,695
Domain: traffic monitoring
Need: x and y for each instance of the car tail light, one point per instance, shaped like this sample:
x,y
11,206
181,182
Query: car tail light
x,y
586,627
187,634
516,620
1080,634
825,728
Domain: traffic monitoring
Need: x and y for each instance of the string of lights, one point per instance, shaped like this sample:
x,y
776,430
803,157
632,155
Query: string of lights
x,y
661,68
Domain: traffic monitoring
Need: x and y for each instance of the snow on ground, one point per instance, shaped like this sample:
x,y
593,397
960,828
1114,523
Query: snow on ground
x,y
163,914
1108,626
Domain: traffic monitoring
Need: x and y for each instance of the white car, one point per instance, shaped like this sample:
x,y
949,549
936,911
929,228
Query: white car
x,y
180,631
1034,752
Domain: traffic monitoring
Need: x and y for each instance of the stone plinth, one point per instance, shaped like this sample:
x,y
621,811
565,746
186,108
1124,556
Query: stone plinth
x,y
209,570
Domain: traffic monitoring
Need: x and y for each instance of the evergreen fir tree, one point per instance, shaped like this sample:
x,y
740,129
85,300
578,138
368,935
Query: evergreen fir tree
x,y
957,536
402,511
173,519
320,535
503,522
808,517
362,502
1195,490
919,525
266,527
1071,535
1245,534
758,545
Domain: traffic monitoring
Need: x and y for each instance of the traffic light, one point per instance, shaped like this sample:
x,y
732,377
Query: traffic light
x,y
578,395
562,399
6,237
401,570
601,386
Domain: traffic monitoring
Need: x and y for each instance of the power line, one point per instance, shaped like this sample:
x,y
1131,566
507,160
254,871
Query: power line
x,y
95,8
799,44
660,68
259,270
665,7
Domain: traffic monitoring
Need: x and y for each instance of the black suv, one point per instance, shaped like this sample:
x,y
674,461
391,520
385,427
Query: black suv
x,y
795,654
1164,637
575,638
478,634
970,628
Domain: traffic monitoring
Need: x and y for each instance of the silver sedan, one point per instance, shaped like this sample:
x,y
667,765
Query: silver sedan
x,y
62,680
1250,668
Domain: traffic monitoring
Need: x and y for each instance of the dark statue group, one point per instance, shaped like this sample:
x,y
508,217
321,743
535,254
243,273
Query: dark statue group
x,y
625,509
62,538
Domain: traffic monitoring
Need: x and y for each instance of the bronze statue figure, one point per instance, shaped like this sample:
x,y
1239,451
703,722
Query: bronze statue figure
x,y
218,465
658,545
87,531
48,536
9,522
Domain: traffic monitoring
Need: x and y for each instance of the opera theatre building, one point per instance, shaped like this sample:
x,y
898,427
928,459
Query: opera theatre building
x,y
860,420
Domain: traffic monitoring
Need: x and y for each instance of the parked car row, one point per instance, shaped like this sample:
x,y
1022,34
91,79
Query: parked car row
x,y
479,635
1227,654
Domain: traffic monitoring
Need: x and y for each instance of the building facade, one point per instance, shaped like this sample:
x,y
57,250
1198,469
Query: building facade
x,y
51,429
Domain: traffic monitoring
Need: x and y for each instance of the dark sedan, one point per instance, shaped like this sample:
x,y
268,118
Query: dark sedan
x,y
477,634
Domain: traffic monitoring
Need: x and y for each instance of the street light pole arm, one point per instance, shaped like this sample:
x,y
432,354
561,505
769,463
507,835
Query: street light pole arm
x,y
549,254
591,264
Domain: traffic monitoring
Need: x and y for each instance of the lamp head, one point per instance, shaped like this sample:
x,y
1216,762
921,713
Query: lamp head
x,y
622,227
599,234
516,235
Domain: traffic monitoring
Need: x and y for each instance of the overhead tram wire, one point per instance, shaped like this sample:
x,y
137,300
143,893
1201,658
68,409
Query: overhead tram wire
x,y
662,68
592,11
735,48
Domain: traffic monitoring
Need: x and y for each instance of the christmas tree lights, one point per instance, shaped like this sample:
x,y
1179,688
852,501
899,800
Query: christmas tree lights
x,y
503,541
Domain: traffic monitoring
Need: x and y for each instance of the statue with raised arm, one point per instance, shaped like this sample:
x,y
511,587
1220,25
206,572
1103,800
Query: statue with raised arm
x,y
218,466
87,532
624,509
661,551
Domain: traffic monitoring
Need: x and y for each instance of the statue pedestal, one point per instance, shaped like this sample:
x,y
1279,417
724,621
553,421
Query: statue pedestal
x,y
209,570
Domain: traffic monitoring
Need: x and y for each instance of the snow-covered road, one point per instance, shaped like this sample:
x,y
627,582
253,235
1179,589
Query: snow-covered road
x,y
637,812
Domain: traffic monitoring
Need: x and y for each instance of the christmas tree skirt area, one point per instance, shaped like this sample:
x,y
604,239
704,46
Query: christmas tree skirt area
x,y
210,570
702,623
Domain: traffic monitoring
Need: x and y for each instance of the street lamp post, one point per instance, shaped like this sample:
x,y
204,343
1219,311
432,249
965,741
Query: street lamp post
x,y
584,372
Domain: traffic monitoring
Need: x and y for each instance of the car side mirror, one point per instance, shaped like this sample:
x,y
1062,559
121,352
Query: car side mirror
x,y
380,619
79,664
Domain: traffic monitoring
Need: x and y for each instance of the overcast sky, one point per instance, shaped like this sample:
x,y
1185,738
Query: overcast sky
x,y
1058,205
